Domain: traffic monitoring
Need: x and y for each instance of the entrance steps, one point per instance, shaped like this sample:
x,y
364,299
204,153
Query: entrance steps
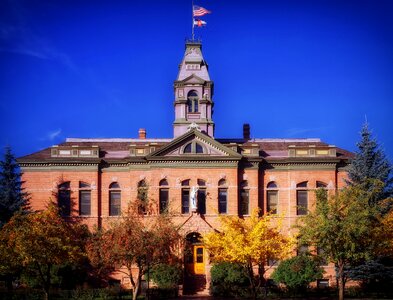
x,y
195,285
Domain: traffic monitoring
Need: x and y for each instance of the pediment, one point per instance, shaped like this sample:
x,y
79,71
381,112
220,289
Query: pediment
x,y
193,79
209,146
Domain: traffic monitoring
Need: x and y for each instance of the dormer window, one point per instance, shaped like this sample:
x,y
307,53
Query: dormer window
x,y
193,148
192,101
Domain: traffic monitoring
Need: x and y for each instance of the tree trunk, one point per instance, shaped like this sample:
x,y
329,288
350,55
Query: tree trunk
x,y
262,280
250,273
341,281
137,284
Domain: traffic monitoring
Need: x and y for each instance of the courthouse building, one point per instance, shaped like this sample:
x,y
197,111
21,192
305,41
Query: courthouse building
x,y
194,174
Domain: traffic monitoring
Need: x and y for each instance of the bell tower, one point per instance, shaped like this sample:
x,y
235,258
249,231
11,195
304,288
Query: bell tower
x,y
193,92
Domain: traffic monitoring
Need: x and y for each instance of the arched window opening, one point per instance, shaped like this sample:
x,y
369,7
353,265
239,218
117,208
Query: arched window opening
x,y
163,196
201,182
198,148
193,148
188,148
84,199
114,199
64,198
321,184
301,198
114,185
201,196
185,196
192,101
244,198
142,197
272,185
272,198
163,182
222,197
222,182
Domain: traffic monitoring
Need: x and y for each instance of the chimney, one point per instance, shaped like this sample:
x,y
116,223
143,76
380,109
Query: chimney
x,y
246,131
142,133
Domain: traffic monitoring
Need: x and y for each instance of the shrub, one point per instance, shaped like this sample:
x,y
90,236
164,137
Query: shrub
x,y
166,276
297,272
228,279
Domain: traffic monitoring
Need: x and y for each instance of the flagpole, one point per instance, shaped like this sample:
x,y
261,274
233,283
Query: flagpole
x,y
192,16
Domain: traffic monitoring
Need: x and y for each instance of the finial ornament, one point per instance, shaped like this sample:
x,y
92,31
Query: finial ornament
x,y
192,126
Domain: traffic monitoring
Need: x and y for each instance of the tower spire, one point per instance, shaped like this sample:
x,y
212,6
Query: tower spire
x,y
193,92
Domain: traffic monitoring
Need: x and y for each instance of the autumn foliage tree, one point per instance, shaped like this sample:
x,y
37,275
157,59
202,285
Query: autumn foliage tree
x,y
37,242
136,242
344,226
250,242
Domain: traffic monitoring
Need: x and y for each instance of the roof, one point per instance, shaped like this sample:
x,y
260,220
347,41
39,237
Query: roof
x,y
119,148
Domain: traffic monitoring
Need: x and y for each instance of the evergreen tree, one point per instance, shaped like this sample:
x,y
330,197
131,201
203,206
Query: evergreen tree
x,y
370,164
12,196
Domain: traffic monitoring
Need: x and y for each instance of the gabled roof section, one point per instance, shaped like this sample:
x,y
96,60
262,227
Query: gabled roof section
x,y
193,79
212,148
193,62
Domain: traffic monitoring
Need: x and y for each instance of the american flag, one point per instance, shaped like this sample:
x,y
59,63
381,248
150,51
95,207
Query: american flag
x,y
199,11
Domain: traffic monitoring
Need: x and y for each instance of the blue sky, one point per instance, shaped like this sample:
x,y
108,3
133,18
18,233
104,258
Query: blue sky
x,y
290,68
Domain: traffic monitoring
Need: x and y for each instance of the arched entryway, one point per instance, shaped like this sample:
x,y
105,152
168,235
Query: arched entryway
x,y
194,264
194,254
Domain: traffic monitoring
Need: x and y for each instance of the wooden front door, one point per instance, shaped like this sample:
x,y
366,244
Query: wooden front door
x,y
199,260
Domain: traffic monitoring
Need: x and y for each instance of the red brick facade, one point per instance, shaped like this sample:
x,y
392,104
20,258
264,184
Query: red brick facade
x,y
192,155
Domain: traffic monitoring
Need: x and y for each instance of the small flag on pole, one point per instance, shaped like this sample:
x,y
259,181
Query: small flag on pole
x,y
199,23
199,11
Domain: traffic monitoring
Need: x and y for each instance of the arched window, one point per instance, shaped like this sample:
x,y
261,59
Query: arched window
x,y
192,101
272,198
198,148
142,197
244,201
114,199
164,196
321,184
201,196
84,199
185,196
301,198
188,148
64,198
193,148
222,196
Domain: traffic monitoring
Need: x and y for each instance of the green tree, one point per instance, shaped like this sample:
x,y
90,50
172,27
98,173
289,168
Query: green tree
x,y
12,196
41,241
370,162
344,227
298,272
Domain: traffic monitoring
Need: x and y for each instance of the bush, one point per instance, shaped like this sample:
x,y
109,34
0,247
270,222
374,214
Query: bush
x,y
166,276
229,280
297,272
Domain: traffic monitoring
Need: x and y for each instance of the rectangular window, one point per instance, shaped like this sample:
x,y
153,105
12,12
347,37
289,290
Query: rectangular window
x,y
114,203
164,200
301,202
222,201
64,201
244,202
322,257
185,201
302,250
272,201
84,203
322,283
202,201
